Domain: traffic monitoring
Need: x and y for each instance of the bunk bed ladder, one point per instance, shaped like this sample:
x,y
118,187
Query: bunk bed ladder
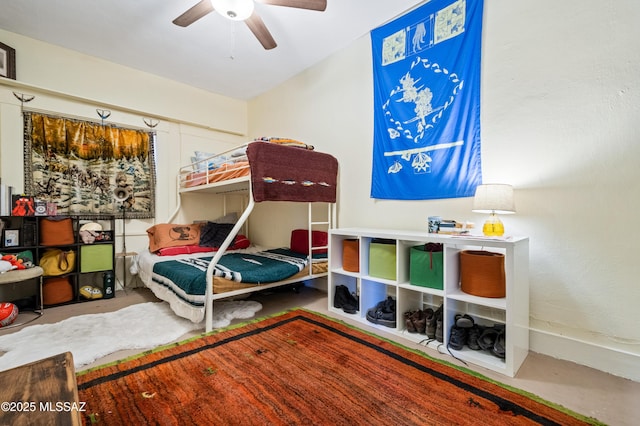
x,y
313,223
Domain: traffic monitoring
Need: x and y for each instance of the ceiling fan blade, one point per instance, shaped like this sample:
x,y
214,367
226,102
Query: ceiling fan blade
x,y
201,9
259,29
320,5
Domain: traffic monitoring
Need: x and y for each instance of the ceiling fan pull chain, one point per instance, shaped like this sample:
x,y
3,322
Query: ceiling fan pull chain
x,y
232,41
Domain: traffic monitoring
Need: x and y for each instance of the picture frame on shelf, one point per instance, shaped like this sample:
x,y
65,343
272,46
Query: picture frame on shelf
x,y
40,207
7,61
52,209
11,237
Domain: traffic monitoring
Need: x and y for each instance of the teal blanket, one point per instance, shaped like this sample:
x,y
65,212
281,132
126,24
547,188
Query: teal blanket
x,y
188,276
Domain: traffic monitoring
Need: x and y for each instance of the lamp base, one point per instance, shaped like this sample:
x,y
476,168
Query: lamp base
x,y
493,227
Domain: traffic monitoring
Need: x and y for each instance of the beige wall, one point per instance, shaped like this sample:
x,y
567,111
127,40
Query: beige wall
x,y
560,100
69,83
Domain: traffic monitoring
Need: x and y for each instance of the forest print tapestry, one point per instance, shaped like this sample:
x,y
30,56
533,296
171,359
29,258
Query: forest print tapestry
x,y
426,71
88,168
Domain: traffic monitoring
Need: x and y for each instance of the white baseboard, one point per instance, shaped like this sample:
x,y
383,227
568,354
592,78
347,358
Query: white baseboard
x,y
612,361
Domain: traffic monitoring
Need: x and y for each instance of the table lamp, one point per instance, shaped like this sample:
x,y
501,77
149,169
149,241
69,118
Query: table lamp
x,y
494,198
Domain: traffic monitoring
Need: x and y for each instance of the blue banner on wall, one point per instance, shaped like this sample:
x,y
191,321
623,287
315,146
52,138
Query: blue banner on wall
x,y
426,72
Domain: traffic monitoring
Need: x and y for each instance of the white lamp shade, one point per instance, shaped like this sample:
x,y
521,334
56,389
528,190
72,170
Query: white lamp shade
x,y
236,10
494,198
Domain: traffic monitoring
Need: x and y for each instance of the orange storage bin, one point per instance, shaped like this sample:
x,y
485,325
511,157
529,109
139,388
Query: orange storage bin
x,y
482,273
57,290
351,255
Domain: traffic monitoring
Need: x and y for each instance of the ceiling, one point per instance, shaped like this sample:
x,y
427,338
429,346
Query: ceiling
x,y
214,53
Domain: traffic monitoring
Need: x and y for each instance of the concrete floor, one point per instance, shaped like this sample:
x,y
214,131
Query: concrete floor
x,y
610,399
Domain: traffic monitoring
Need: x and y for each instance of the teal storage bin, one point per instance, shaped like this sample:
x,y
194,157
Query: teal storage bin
x,y
382,260
425,266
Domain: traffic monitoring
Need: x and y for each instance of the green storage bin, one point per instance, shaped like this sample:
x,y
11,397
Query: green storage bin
x,y
425,266
96,257
382,260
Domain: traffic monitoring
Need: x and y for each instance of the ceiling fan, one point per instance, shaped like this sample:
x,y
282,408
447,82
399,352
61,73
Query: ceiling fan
x,y
243,10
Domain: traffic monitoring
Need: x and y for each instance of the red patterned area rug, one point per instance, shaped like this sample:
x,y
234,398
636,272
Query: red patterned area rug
x,y
301,368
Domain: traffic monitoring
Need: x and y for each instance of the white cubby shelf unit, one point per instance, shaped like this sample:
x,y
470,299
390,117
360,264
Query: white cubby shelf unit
x,y
511,310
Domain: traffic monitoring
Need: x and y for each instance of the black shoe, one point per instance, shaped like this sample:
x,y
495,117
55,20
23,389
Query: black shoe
x,y
492,336
390,304
384,313
463,321
377,316
344,300
457,337
353,304
499,346
339,297
473,334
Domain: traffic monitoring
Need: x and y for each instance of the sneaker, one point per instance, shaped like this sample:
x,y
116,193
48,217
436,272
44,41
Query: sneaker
x,y
464,321
377,316
473,334
457,337
499,345
489,337
390,304
439,320
384,313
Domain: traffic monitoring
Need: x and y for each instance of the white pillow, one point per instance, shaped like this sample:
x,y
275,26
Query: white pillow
x,y
211,163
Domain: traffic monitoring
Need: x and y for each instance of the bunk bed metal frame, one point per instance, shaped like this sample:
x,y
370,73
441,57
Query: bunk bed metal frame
x,y
234,186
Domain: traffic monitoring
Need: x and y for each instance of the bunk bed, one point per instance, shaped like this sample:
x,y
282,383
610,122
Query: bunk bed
x,y
263,171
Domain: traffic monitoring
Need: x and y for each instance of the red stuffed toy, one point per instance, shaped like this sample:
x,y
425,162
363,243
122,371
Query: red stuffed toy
x,y
15,262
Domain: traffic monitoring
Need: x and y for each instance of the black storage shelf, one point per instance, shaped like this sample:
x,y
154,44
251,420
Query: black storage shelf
x,y
99,256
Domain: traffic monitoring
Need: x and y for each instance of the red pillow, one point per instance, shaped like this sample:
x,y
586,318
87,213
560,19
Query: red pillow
x,y
300,241
241,242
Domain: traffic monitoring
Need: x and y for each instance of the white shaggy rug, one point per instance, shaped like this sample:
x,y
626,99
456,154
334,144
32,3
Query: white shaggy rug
x,y
89,337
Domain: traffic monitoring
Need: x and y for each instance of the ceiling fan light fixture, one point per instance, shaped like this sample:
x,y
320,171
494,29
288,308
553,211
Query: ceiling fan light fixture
x,y
236,10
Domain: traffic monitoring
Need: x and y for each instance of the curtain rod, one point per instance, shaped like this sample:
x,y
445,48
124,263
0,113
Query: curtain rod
x,y
91,120
14,83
